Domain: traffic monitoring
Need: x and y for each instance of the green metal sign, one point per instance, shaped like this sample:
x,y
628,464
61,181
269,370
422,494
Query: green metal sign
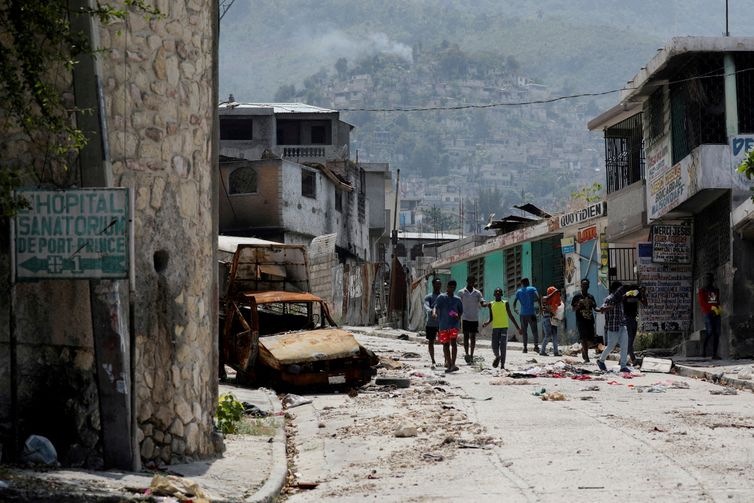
x,y
73,234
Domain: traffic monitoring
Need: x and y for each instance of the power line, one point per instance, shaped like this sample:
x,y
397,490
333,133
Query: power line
x,y
708,75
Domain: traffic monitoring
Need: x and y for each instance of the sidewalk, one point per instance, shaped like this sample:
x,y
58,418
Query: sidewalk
x,y
253,468
723,372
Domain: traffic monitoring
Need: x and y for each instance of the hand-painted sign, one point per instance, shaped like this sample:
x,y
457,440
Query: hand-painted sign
x,y
740,147
73,234
587,234
669,294
666,183
567,246
671,244
592,211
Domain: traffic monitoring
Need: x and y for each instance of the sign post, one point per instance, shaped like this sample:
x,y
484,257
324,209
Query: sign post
x,y
73,234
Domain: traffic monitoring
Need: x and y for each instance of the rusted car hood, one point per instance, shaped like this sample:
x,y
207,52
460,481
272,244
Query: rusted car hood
x,y
311,345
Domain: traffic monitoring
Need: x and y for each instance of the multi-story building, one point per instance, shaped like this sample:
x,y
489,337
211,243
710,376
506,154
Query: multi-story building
x,y
672,145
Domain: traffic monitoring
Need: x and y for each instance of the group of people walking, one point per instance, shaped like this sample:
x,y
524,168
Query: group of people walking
x,y
449,313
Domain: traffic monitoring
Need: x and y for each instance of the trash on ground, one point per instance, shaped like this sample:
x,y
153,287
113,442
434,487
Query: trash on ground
x,y
306,485
38,450
587,397
292,400
745,374
555,396
250,409
432,457
662,365
539,392
679,385
406,431
181,488
591,388
398,382
508,381
390,364
410,356
723,391
403,337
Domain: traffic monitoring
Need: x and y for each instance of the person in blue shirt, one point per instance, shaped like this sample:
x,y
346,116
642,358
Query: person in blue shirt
x,y
431,327
527,295
448,311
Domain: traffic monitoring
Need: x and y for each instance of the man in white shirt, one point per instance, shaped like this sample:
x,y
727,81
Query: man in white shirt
x,y
472,301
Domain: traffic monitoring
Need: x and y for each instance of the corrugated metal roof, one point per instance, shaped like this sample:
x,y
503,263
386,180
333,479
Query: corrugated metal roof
x,y
282,108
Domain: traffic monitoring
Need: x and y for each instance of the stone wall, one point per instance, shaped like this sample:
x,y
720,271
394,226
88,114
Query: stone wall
x,y
158,81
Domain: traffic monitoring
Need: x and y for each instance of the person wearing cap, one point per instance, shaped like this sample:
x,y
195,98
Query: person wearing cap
x,y
553,312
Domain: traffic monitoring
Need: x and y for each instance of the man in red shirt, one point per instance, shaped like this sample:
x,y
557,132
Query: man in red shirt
x,y
709,302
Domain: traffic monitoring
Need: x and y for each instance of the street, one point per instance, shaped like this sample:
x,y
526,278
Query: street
x,y
483,437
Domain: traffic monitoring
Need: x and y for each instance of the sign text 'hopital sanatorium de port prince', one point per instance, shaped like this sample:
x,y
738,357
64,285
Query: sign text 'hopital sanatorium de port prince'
x,y
73,234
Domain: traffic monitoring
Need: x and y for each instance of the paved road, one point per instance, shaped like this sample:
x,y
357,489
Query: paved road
x,y
478,441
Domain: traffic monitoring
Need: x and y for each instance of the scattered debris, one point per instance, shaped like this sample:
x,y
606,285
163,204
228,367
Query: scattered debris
x,y
507,381
398,382
555,396
661,365
292,400
181,488
723,391
390,363
38,450
250,409
745,374
591,487
306,485
405,431
539,392
679,385
432,457
591,388
403,337
657,428
587,397
410,356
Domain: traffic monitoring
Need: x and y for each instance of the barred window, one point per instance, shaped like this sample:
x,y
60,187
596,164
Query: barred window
x,y
476,271
513,270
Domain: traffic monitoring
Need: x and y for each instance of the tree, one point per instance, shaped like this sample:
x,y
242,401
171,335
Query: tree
x,y
437,220
286,92
39,48
747,167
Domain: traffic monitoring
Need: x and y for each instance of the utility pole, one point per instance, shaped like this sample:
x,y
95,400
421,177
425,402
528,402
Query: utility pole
x,y
110,300
727,31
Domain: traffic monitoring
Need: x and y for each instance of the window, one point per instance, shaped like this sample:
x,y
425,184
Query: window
x,y
624,154
235,128
319,133
476,271
338,201
512,269
242,181
697,106
288,132
745,91
655,112
308,183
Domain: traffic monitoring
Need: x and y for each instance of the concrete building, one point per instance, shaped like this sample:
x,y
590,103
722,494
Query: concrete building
x,y
158,86
672,146
292,131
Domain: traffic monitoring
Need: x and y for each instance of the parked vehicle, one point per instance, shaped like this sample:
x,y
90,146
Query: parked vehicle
x,y
284,339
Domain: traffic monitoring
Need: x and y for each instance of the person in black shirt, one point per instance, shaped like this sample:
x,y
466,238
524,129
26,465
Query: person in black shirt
x,y
634,296
583,303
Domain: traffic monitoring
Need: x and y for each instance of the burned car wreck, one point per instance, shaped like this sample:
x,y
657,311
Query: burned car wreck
x,y
284,339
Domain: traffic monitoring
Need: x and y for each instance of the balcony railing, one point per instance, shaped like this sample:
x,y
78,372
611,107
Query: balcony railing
x,y
303,152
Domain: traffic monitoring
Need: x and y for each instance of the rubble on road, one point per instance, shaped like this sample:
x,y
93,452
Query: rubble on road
x,y
723,391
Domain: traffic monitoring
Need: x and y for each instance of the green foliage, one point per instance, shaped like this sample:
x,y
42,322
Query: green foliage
x,y
38,50
229,413
747,167
589,194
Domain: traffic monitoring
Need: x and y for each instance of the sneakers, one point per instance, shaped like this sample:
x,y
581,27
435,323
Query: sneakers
x,y
525,350
536,348
556,354
451,369
625,369
542,353
495,362
601,365
467,358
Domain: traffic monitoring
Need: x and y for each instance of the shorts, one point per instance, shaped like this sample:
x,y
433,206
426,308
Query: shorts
x,y
445,336
470,327
431,333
